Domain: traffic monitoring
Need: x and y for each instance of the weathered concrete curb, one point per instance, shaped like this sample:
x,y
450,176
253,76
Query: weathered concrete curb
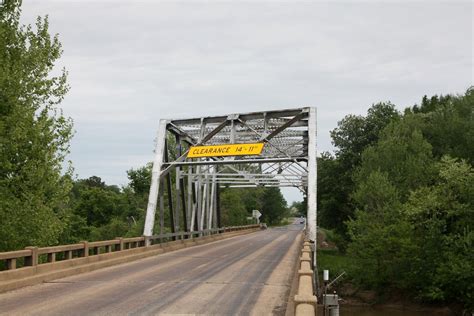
x,y
305,300
18,278
290,306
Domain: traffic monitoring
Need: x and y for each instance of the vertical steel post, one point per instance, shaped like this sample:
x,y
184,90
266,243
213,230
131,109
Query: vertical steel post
x,y
200,188
265,123
214,220
312,174
198,197
218,206
232,132
204,203
189,204
194,215
170,192
155,179
211,198
183,204
177,205
162,207
179,187
206,212
194,208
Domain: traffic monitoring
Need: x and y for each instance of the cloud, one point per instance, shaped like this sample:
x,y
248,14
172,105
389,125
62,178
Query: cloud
x,y
132,63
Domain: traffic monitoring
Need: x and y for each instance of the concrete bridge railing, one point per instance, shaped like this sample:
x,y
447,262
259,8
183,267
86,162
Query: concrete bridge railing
x,y
34,265
305,300
31,256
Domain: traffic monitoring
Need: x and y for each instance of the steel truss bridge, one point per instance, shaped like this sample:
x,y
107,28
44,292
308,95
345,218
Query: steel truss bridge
x,y
288,159
223,270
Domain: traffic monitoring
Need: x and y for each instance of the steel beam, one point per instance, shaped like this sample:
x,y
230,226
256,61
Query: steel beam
x,y
245,116
233,162
218,206
155,179
312,174
162,207
170,193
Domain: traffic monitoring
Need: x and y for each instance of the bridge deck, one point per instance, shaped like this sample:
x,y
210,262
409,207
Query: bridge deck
x,y
249,274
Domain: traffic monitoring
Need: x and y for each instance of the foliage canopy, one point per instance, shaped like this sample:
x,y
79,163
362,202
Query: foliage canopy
x,y
34,135
401,198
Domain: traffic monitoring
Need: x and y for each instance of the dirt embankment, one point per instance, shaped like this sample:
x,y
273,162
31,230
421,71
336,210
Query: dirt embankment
x,y
353,296
323,242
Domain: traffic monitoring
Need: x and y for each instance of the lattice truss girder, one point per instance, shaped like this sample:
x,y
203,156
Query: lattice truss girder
x,y
286,161
284,174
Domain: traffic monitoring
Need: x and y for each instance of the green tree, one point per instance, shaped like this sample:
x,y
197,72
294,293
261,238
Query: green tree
x,y
403,154
443,220
300,207
380,236
448,124
334,186
99,205
274,208
252,198
116,227
100,211
355,133
34,135
412,228
352,136
140,179
233,210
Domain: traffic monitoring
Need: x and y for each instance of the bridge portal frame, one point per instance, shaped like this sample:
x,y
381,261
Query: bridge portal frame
x,y
288,160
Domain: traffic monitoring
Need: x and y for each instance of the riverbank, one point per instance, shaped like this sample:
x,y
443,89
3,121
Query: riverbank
x,y
357,299
368,302
353,296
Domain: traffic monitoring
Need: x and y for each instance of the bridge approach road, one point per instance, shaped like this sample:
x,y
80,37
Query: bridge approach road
x,y
249,274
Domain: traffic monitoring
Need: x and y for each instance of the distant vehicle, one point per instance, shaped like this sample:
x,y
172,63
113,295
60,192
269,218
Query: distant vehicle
x,y
302,219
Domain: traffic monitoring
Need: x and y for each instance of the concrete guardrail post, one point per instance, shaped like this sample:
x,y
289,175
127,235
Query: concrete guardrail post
x,y
68,254
11,264
307,246
33,259
119,246
85,250
147,241
52,257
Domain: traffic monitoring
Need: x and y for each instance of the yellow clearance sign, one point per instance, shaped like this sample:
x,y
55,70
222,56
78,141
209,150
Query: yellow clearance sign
x,y
225,150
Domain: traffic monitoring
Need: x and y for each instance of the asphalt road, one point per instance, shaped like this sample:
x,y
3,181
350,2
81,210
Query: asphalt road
x,y
249,274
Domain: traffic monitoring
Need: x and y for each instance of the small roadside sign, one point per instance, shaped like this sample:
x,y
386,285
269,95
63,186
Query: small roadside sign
x,y
256,214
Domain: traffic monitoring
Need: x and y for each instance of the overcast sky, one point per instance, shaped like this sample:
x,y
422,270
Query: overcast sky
x,y
131,63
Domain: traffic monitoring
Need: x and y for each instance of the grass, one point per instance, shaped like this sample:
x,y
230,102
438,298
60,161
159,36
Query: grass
x,y
334,261
330,235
